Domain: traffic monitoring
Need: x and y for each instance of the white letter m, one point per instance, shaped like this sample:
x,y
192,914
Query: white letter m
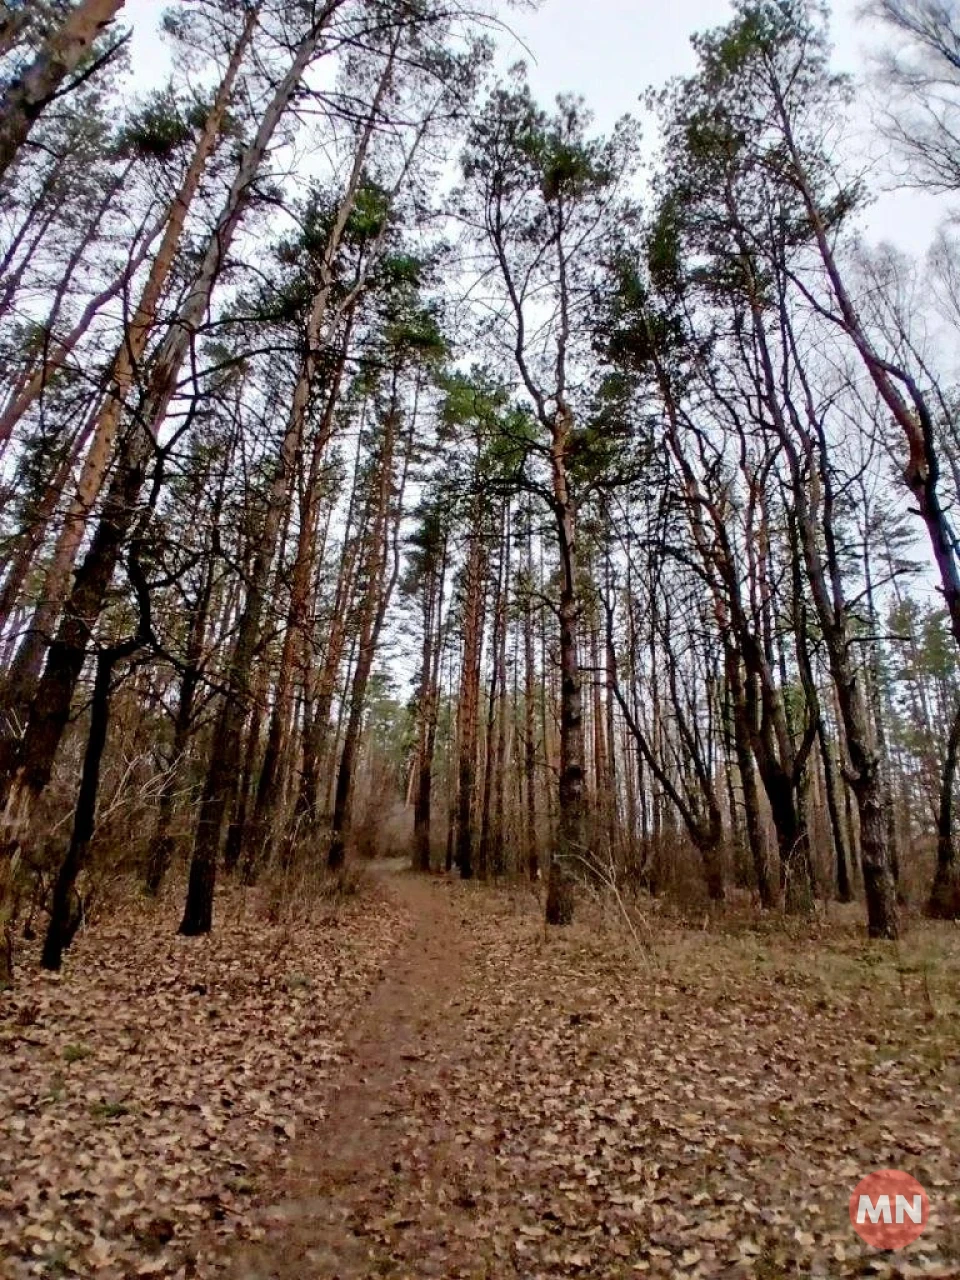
x,y
876,1213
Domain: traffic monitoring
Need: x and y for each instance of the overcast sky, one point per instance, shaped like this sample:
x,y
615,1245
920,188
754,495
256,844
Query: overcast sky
x,y
609,51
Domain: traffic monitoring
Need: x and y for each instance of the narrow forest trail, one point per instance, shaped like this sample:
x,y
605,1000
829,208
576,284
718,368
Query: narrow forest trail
x,y
386,1134
512,1105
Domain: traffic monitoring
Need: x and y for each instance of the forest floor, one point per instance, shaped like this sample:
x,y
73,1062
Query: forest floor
x,y
419,1082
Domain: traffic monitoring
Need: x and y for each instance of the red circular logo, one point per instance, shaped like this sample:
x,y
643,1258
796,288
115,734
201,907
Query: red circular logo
x,y
889,1209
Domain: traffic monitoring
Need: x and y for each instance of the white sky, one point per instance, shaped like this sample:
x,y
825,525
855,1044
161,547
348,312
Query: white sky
x,y
609,51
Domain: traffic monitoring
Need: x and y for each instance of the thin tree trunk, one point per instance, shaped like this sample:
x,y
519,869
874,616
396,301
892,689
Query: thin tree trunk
x,y
832,785
468,702
429,707
748,783
498,841
529,722
270,782
63,916
570,846
162,844
376,598
874,683
944,901
496,676
63,912
317,728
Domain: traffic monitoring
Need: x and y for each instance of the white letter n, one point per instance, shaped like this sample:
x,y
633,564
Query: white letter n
x,y
876,1213
903,1209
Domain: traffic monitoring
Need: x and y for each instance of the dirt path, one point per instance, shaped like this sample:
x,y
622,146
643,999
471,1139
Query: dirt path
x,y
339,1207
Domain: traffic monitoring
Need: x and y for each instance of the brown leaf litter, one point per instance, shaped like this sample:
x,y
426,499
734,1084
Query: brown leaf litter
x,y
505,1104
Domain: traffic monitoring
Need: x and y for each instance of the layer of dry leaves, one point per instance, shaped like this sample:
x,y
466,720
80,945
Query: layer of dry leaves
x,y
574,1106
154,1087
708,1112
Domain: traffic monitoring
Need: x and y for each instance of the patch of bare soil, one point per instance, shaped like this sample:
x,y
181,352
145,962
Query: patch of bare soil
x,y
390,1165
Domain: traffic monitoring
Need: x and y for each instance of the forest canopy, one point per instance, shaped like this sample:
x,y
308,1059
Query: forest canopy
x,y
394,463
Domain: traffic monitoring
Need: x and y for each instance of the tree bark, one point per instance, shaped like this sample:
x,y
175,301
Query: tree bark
x,y
469,699
570,848
28,96
944,901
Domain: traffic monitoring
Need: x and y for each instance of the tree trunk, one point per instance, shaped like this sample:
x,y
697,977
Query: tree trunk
x,y
570,847
497,675
601,775
529,724
944,902
226,746
429,707
874,684
162,845
613,797
238,849
267,804
39,83
833,784
317,728
883,918
64,915
373,609
748,783
469,699
498,861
